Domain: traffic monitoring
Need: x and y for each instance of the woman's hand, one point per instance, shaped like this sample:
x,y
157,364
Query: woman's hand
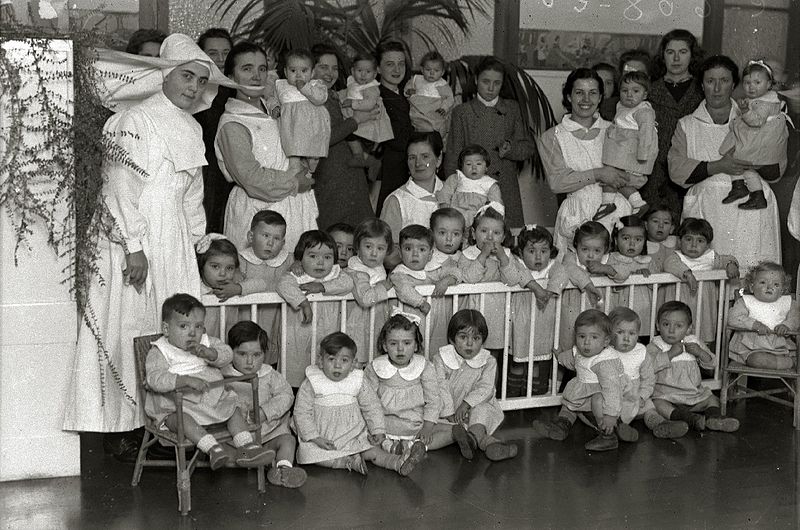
x,y
204,352
504,149
728,165
610,176
362,116
732,270
136,270
304,180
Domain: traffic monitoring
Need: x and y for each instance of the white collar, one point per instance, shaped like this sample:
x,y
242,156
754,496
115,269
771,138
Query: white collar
x,y
486,103
468,185
454,361
182,362
654,246
705,262
376,274
770,97
240,108
570,125
250,256
642,260
230,371
473,252
411,372
305,278
701,113
421,193
419,275
172,122
438,259
539,275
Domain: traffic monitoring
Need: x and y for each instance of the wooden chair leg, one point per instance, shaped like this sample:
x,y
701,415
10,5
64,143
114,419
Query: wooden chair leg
x,y
723,393
262,483
796,404
183,482
140,458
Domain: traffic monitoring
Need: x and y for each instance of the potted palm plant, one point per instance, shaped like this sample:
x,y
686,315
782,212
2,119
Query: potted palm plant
x,y
359,26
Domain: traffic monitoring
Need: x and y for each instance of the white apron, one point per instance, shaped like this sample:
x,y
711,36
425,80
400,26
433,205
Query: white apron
x,y
749,235
300,211
581,205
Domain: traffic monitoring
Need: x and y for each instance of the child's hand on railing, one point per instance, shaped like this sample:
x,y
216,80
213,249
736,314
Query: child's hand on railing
x,y
296,268
542,296
732,270
308,313
763,329
595,267
689,278
441,286
425,308
324,443
195,383
312,287
227,290
594,295
376,439
644,272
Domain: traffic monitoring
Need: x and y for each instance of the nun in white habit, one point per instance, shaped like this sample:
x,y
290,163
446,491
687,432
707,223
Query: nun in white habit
x,y
153,192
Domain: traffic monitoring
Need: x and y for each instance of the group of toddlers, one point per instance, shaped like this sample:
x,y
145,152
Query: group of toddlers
x,y
299,101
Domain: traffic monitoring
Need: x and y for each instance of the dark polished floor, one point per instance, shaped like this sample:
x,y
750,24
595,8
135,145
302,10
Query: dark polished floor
x,y
744,480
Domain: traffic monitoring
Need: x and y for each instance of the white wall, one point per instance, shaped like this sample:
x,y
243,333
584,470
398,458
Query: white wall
x,y
37,344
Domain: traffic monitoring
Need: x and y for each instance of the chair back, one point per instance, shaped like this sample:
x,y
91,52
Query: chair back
x,y
142,345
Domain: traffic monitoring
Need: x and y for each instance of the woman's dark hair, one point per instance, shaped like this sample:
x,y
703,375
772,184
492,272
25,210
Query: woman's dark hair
x,y
399,322
534,234
320,49
467,319
314,238
599,67
635,55
432,138
391,46
591,229
490,63
472,149
660,67
673,307
214,33
696,226
218,247
579,73
141,36
240,49
373,227
718,61
333,343
246,331
630,221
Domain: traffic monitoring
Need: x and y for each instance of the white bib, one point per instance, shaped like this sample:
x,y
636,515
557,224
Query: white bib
x,y
633,360
480,186
386,370
333,393
584,365
769,314
703,263
581,155
306,278
416,203
182,362
376,274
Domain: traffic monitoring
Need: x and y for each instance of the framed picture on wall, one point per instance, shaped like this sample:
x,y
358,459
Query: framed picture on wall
x,y
544,49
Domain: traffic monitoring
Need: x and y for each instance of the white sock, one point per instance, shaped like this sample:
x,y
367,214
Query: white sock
x,y
206,443
242,439
283,463
636,200
608,197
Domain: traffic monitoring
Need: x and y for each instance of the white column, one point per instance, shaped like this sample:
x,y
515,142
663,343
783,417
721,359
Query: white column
x,y
38,328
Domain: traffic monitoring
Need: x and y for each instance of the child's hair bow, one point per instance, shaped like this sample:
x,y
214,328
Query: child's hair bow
x,y
203,245
408,316
494,205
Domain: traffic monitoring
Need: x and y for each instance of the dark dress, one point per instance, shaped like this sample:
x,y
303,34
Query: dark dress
x,y
394,169
475,123
659,187
215,187
341,191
